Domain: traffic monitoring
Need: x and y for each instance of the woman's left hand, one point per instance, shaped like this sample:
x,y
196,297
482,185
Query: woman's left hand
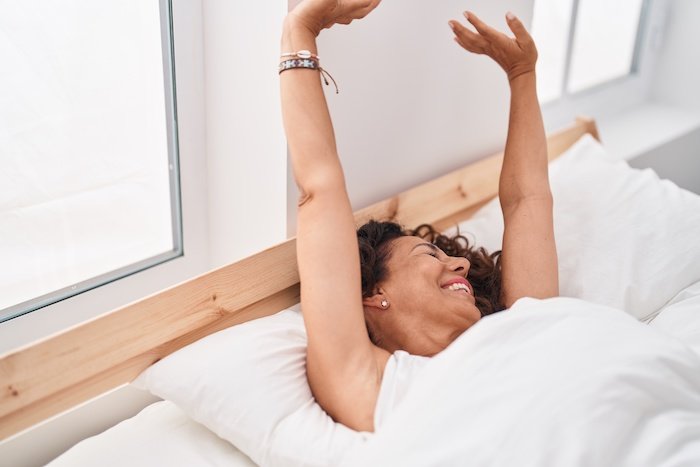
x,y
515,55
317,15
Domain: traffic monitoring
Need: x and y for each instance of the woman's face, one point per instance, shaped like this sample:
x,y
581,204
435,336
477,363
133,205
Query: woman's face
x,y
430,301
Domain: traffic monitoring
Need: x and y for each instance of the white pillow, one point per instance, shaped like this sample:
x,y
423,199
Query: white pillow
x,y
624,237
248,385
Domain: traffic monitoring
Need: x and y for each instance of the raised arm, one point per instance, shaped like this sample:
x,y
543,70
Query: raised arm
x,y
529,259
342,367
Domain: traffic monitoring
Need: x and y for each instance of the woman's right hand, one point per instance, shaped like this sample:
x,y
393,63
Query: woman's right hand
x,y
317,15
515,55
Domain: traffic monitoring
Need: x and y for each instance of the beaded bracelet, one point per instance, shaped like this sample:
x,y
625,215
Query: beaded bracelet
x,y
309,64
298,63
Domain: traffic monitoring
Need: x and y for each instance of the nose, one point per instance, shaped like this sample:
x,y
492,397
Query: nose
x,y
459,264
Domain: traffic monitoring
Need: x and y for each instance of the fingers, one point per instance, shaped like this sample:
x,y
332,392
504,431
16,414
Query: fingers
x,y
468,39
515,25
469,47
292,4
483,28
363,11
374,4
359,11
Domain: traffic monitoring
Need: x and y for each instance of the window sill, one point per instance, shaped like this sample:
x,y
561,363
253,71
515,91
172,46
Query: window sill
x,y
645,127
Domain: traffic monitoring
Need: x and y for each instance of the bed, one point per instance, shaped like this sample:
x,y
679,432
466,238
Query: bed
x,y
226,349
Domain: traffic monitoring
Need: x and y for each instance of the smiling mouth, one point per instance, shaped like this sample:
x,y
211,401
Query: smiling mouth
x,y
460,287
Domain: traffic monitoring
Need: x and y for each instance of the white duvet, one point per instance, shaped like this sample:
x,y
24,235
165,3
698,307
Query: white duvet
x,y
557,382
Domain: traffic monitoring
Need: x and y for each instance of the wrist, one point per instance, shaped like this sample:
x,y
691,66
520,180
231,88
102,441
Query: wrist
x,y
296,35
293,23
516,78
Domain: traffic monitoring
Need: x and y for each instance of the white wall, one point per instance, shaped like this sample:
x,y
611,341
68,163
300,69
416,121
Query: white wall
x,y
246,147
677,76
412,103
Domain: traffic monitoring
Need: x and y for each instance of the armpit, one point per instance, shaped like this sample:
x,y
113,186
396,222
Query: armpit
x,y
304,198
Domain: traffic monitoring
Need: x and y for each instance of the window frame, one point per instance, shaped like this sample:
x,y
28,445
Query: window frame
x,y
170,91
618,94
186,17
634,66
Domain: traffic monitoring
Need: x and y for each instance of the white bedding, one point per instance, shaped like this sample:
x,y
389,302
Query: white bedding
x,y
680,317
160,435
560,382
557,382
551,343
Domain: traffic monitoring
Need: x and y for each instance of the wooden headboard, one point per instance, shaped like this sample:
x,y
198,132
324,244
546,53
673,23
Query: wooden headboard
x,y
59,372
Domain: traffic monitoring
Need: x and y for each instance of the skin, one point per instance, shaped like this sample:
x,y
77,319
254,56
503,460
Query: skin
x,y
344,368
423,316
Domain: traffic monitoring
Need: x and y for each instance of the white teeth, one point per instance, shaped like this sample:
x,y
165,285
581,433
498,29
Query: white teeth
x,y
459,286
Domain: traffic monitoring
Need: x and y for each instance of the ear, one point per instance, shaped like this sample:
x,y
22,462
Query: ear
x,y
375,301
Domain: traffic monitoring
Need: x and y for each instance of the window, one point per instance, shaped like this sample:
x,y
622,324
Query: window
x,y
88,144
585,43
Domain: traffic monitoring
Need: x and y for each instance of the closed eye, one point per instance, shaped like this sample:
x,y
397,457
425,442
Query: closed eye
x,y
430,249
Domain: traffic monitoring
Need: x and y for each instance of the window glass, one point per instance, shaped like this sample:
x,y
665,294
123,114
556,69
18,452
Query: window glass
x,y
604,41
551,24
88,186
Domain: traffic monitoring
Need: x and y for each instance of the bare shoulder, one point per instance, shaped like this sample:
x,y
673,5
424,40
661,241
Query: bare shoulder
x,y
350,396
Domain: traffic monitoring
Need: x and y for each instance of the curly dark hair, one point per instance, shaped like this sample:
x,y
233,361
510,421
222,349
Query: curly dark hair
x,y
484,274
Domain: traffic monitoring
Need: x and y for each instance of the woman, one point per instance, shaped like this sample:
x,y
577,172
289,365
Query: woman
x,y
418,299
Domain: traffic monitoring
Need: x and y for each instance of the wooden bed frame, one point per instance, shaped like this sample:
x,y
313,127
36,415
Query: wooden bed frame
x,y
59,372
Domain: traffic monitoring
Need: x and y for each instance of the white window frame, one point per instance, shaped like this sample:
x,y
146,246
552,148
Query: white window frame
x,y
189,68
619,94
29,306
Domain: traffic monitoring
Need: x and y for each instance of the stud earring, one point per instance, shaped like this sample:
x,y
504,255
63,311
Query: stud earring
x,y
385,304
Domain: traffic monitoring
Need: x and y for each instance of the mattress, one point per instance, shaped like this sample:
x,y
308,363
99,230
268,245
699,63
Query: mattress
x,y
161,434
